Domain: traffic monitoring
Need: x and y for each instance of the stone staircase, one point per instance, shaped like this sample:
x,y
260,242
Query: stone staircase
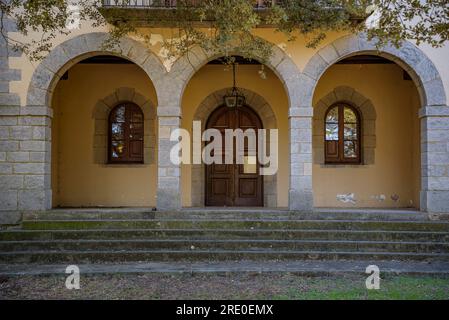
x,y
118,236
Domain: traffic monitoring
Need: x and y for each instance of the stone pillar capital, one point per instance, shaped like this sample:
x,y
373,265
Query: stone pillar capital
x,y
301,112
169,111
434,111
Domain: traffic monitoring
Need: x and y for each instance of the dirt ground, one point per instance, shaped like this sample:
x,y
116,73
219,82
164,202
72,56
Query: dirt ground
x,y
234,286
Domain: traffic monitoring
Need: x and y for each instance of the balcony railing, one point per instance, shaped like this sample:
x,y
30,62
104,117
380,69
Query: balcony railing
x,y
171,4
160,12
140,3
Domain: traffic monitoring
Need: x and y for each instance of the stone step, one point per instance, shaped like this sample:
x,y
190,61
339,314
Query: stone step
x,y
232,214
89,215
259,224
305,268
77,236
317,214
80,257
213,244
192,234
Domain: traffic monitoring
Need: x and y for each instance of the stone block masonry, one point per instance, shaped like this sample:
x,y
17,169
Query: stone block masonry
x,y
169,175
435,158
9,109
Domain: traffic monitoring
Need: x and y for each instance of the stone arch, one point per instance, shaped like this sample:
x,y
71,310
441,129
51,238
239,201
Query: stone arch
x,y
45,79
101,115
202,113
368,118
70,52
185,67
431,91
422,70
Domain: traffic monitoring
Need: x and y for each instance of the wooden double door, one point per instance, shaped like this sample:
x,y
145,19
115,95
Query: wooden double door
x,y
235,185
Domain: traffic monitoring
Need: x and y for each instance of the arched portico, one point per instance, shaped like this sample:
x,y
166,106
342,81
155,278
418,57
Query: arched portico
x,y
409,57
434,113
300,190
299,88
38,111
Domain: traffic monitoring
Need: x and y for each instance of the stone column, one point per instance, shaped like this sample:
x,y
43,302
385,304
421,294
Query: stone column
x,y
9,114
25,165
169,174
301,194
435,159
24,147
35,144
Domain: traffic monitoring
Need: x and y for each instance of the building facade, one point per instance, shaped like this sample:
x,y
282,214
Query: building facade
x,y
357,126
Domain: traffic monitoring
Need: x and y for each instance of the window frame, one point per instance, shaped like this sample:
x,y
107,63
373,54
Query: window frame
x,y
127,140
341,105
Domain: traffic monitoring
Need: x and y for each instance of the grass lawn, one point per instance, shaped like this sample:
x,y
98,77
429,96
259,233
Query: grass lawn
x,y
240,286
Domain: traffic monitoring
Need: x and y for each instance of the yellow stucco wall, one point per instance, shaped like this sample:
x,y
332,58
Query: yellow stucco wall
x,y
397,167
77,180
396,170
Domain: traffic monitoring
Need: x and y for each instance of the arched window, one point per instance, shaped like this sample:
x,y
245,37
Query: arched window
x,y
126,134
342,138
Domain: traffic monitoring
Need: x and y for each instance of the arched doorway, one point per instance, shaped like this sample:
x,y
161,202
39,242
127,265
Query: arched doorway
x,y
195,180
234,185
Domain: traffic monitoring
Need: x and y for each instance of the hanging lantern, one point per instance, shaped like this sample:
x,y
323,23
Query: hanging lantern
x,y
234,98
